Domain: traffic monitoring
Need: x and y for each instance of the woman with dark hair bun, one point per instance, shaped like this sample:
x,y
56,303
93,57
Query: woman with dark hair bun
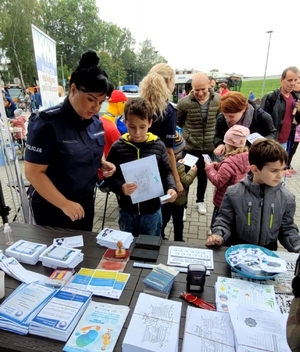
x,y
65,149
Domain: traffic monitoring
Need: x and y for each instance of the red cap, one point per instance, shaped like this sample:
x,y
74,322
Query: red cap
x,y
117,97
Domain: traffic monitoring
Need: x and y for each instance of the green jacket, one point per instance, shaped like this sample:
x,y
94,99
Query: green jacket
x,y
198,135
186,179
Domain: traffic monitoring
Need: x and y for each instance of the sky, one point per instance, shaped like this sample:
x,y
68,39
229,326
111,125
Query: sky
x,y
228,35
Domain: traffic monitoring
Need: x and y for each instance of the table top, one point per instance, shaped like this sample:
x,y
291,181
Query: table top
x,y
92,255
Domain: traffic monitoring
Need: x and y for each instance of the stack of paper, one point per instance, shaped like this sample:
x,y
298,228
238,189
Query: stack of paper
x,y
106,283
208,330
13,268
25,251
109,238
154,326
61,257
59,316
98,328
258,328
234,291
22,305
160,280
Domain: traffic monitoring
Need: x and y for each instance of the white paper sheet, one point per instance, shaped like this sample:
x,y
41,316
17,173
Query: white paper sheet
x,y
144,172
73,241
254,136
190,160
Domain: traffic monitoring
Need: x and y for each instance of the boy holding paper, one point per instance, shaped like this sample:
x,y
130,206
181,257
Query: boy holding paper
x,y
144,217
259,210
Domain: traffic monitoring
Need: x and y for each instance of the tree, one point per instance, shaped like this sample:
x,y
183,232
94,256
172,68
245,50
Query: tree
x,y
74,25
147,57
115,70
214,70
16,38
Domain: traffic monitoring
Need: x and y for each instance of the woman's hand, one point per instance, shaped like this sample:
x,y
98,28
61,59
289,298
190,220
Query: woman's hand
x,y
73,210
107,168
129,188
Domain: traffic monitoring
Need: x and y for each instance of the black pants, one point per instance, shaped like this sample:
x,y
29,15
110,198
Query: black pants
x,y
46,214
169,210
213,217
201,174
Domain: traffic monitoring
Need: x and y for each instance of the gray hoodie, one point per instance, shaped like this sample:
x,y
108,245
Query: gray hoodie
x,y
258,214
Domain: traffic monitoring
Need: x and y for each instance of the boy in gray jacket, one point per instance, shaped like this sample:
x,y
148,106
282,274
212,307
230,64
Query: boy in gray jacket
x,y
259,210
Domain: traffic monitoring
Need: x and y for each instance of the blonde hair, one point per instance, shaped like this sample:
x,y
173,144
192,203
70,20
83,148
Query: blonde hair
x,y
231,150
154,87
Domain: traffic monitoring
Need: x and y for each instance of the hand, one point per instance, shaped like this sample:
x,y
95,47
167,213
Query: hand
x,y
173,195
73,210
220,150
216,165
297,105
214,240
107,168
194,168
129,188
179,187
180,161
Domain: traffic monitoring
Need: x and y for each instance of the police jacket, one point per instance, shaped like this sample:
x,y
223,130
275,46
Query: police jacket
x,y
123,151
71,147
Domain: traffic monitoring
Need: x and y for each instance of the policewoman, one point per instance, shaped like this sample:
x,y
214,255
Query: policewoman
x,y
65,148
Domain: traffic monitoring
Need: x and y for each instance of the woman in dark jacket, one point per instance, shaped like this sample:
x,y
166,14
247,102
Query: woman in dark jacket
x,y
236,109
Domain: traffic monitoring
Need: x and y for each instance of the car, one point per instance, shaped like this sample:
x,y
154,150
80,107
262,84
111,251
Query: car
x,y
16,93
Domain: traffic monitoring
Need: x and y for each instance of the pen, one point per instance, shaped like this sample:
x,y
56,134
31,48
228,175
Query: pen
x,y
272,216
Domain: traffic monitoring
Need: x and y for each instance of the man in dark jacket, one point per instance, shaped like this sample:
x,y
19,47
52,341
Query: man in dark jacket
x,y
283,106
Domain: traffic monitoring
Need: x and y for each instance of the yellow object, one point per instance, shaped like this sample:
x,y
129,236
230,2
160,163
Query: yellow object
x,y
114,110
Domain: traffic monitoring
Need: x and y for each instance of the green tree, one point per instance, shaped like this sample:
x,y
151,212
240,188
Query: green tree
x,y
16,37
115,70
147,57
74,25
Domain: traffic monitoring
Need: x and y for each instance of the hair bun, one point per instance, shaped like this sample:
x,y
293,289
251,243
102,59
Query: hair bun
x,y
89,59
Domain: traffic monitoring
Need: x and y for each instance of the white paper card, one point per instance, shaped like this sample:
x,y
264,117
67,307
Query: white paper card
x,y
254,136
207,158
144,172
73,241
190,160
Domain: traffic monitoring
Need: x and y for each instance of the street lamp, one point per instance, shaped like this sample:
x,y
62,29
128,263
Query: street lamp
x,y
62,71
264,80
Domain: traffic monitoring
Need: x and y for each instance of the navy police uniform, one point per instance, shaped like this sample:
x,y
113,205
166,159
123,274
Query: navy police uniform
x,y
165,128
72,148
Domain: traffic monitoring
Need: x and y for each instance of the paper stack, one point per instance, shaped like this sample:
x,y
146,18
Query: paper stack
x,y
22,305
154,326
59,316
98,328
160,280
61,257
25,251
109,238
106,283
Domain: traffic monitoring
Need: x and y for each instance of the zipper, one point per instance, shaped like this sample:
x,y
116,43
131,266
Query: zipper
x,y
271,216
261,204
249,213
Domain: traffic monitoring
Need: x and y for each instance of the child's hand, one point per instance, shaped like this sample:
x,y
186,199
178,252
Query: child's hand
x,y
194,168
214,240
180,161
129,188
173,195
220,150
216,165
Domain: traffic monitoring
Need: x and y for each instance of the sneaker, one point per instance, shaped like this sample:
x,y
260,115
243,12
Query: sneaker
x,y
201,208
184,215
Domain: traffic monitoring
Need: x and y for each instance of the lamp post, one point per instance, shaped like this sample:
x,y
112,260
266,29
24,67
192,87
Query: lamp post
x,y
264,80
62,72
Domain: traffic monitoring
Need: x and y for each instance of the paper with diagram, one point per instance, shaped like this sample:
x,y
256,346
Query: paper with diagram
x,y
208,330
144,172
154,325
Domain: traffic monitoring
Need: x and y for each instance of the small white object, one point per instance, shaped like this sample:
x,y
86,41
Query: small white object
x,y
207,158
254,136
2,284
184,215
164,199
73,241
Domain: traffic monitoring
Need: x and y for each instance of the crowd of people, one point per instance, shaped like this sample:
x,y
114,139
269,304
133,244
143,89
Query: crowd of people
x,y
66,155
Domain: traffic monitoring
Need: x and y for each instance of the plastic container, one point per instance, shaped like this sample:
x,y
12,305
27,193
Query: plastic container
x,y
8,235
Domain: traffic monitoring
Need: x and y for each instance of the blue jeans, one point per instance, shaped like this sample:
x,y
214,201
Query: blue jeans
x,y
144,224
